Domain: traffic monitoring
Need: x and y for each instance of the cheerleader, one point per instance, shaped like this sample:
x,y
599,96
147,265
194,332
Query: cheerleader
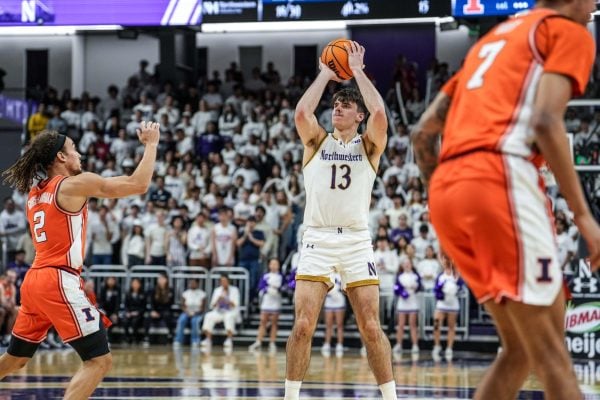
x,y
335,308
408,283
447,286
269,289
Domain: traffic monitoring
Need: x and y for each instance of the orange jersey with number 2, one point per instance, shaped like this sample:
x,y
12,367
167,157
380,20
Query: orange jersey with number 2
x,y
58,235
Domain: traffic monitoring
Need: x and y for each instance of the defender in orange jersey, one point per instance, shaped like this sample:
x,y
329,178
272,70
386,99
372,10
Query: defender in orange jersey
x,y
502,116
52,292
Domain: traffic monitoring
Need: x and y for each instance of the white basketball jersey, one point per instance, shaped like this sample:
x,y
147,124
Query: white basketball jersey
x,y
338,181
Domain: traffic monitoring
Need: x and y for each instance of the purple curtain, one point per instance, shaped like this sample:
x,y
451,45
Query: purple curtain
x,y
384,44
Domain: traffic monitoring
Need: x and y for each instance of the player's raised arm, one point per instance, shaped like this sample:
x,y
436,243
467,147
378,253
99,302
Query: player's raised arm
x,y
308,127
377,123
92,185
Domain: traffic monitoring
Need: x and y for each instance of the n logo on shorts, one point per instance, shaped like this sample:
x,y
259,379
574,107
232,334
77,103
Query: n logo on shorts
x,y
372,269
88,314
545,263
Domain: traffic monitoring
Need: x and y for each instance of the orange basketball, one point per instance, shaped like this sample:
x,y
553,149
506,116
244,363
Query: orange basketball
x,y
335,56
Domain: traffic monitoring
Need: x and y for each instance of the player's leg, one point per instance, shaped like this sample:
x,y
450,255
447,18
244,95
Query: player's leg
x,y
329,317
17,355
546,348
506,375
400,332
414,334
308,300
365,303
97,361
451,329
339,323
262,327
438,323
274,323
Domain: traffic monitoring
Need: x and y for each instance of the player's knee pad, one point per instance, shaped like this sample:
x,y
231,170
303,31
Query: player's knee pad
x,y
92,346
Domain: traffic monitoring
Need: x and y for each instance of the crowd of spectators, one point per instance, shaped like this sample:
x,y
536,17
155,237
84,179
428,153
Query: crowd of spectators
x,y
228,185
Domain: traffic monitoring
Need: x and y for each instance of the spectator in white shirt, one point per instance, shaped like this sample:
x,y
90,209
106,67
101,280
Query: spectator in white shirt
x,y
429,268
387,262
224,305
192,308
248,172
170,109
135,245
186,124
104,233
243,209
421,242
134,125
12,225
198,241
202,117
174,184
156,241
228,121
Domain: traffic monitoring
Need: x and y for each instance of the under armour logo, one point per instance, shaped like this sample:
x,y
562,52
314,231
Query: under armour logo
x,y
310,246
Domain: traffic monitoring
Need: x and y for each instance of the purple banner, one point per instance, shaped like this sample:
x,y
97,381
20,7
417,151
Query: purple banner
x,y
16,110
95,12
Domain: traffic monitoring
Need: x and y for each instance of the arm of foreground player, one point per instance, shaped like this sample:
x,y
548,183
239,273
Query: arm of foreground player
x,y
425,136
554,91
92,185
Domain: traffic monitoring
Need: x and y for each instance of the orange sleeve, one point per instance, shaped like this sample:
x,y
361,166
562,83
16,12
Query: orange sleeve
x,y
567,48
450,86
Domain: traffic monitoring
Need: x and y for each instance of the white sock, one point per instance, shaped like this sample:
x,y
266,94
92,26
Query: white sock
x,y
388,390
292,390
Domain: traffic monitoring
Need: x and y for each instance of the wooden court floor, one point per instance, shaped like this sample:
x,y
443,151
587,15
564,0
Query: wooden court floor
x,y
161,372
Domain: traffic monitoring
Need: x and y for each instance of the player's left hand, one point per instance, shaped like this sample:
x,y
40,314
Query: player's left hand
x,y
356,56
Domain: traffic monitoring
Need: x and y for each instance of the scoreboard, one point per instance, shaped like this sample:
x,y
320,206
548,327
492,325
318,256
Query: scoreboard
x,y
311,10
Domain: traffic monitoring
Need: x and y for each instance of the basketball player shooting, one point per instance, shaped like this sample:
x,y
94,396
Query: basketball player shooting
x,y
502,114
339,171
52,294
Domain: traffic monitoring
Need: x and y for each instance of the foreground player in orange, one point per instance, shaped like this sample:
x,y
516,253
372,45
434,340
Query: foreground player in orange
x,y
52,292
502,116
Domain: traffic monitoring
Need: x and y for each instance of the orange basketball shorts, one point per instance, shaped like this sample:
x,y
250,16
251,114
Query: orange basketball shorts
x,y
493,219
55,297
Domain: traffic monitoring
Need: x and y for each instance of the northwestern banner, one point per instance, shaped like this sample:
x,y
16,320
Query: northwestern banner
x,y
582,318
107,12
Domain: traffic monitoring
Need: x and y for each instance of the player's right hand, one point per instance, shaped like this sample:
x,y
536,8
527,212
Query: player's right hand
x,y
149,133
328,72
589,229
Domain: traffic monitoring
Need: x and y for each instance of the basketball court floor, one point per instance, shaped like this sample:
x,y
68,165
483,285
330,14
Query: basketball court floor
x,y
161,372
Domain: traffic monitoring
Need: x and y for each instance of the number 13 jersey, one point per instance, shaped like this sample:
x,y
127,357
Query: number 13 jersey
x,y
338,180
494,92
58,235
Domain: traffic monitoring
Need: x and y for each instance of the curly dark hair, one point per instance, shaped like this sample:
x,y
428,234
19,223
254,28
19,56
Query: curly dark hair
x,y
350,95
34,163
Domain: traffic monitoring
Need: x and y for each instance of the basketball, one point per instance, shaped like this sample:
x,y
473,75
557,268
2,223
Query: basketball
x,y
335,56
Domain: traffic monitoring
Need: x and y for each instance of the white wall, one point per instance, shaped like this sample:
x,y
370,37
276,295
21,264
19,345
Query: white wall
x,y
452,46
13,59
277,47
109,60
